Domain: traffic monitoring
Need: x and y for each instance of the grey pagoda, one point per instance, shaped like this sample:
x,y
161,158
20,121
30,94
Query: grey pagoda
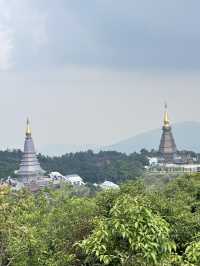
x,y
30,169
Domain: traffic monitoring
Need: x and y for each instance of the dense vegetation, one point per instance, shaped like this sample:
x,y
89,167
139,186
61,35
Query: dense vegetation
x,y
136,225
96,167
93,167
9,162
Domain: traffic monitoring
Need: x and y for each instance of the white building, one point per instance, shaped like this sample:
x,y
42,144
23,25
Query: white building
x,y
56,176
109,185
153,161
186,168
170,167
74,180
14,183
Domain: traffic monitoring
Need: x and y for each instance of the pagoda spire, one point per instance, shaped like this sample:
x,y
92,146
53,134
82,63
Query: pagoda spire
x,y
166,117
28,128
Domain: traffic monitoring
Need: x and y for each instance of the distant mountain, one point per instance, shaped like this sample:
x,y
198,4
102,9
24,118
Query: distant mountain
x,y
186,134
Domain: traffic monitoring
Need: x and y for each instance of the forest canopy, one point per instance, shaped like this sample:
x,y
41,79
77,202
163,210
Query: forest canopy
x,y
136,225
92,167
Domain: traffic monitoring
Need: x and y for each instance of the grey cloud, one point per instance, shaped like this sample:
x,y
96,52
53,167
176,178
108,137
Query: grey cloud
x,y
144,34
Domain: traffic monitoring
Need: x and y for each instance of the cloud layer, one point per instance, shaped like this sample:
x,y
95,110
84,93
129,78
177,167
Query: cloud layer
x,y
130,34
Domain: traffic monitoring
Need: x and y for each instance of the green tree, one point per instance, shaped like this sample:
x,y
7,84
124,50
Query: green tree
x,y
40,230
193,253
131,235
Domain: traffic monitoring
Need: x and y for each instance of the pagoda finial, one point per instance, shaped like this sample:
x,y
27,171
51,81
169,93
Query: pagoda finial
x,y
166,117
28,128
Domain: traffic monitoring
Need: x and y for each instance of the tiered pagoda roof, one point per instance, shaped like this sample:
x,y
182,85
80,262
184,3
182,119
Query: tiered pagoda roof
x,y
29,168
167,147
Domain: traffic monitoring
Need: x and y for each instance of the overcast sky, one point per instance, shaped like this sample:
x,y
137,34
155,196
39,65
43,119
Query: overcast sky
x,y
96,72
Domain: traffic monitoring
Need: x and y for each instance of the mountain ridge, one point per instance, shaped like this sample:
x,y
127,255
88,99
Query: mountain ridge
x,y
186,134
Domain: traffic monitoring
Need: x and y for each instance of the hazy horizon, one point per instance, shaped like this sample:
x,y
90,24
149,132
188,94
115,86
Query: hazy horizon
x,y
96,72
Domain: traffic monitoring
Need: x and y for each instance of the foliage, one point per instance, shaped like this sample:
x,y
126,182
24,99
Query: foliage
x,y
97,167
93,167
179,205
193,253
129,236
136,225
9,162
41,230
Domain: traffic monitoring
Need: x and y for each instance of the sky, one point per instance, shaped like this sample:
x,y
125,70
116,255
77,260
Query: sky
x,y
96,72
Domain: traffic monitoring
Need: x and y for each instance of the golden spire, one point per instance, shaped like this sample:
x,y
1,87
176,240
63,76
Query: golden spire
x,y
28,128
166,117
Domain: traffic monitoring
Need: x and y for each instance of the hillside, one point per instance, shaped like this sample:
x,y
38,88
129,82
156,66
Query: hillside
x,y
186,134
